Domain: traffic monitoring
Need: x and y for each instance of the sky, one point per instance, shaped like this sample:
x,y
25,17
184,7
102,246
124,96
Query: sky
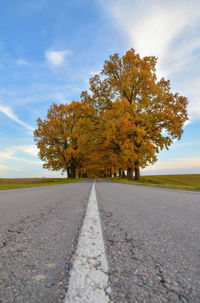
x,y
49,50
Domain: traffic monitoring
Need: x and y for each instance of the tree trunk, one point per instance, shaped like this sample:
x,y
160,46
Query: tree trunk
x,y
130,173
68,173
73,171
123,174
120,172
79,175
110,172
115,175
137,171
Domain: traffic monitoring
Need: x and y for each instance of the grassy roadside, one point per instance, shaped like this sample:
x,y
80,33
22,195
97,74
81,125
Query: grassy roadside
x,y
33,182
186,182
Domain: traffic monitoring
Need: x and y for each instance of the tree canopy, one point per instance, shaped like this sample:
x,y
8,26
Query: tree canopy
x,y
121,124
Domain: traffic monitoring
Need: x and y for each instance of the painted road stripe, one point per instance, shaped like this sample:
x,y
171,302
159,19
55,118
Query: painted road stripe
x,y
89,279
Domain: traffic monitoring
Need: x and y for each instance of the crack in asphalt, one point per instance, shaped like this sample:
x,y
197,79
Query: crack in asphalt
x,y
17,241
169,287
10,232
147,275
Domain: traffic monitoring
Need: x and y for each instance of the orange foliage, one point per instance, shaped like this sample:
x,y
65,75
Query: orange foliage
x,y
127,118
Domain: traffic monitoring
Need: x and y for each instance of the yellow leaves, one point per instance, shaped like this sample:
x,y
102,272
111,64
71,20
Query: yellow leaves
x,y
58,137
118,124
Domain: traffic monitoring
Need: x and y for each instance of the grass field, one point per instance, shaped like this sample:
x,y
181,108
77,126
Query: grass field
x,y
187,182
33,182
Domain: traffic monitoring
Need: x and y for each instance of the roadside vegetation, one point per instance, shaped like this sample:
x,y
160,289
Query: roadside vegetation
x,y
33,182
187,182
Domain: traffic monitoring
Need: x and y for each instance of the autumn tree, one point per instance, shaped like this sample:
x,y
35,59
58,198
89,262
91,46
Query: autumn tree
x,y
122,123
62,136
115,146
156,114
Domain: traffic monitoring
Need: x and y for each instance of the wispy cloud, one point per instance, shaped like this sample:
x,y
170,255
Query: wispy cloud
x,y
9,113
175,164
22,62
51,174
166,29
93,73
13,153
155,27
36,93
4,168
56,58
194,144
193,88
27,149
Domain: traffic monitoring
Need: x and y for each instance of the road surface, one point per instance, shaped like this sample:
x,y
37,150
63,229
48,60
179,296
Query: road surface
x,y
140,244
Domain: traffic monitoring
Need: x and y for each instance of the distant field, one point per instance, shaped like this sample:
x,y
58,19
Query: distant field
x,y
33,182
187,182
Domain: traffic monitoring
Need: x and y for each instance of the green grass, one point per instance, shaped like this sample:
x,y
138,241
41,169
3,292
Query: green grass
x,y
33,182
187,182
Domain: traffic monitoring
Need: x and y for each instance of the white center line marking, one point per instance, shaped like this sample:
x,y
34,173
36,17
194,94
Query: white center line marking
x,y
89,279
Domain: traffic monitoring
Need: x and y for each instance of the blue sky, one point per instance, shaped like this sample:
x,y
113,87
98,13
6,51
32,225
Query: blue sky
x,y
49,50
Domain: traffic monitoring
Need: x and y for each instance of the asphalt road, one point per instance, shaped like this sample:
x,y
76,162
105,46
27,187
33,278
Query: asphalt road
x,y
39,228
151,238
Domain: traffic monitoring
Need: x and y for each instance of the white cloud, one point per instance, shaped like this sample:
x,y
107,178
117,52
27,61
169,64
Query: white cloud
x,y
22,62
51,174
153,26
10,152
5,168
39,93
7,153
175,164
9,113
93,73
166,29
192,87
44,32
27,149
56,58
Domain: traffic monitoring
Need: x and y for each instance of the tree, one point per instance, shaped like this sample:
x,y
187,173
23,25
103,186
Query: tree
x,y
122,124
61,137
157,114
116,144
